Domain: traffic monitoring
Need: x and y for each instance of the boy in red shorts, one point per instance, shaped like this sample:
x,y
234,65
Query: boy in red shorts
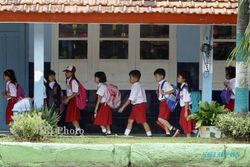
x,y
163,92
138,99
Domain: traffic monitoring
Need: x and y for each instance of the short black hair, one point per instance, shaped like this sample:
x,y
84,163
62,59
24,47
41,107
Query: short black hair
x,y
184,75
11,74
135,73
160,71
51,72
102,76
231,71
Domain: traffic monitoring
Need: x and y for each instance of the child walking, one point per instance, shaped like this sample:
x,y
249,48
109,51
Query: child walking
x,y
138,100
163,92
73,112
103,113
185,102
10,93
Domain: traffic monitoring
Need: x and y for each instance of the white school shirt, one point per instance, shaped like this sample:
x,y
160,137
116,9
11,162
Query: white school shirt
x,y
166,87
52,84
74,88
185,96
11,89
101,90
231,85
44,92
137,94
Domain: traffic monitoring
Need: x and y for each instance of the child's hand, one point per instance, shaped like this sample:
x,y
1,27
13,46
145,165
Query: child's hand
x,y
95,115
186,114
162,92
121,110
66,101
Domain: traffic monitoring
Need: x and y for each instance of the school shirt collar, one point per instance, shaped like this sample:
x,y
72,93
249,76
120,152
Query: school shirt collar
x,y
161,81
136,83
8,82
183,84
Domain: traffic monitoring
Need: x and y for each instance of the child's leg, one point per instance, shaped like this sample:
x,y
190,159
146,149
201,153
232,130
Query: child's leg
x,y
76,124
104,130
129,127
108,130
165,123
147,128
188,134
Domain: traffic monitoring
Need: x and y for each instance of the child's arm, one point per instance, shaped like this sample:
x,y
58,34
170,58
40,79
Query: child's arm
x,y
124,106
167,92
70,97
97,104
186,109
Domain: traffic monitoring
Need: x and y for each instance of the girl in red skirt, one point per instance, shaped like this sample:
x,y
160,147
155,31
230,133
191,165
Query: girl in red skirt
x,y
103,113
185,101
10,93
73,112
229,83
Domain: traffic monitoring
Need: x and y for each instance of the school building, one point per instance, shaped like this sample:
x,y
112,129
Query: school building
x,y
116,36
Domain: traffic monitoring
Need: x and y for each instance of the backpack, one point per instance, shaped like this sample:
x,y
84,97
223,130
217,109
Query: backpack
x,y
225,96
81,98
173,99
113,96
20,92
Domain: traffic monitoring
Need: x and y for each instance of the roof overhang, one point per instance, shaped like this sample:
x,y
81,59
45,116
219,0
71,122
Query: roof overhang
x,y
157,18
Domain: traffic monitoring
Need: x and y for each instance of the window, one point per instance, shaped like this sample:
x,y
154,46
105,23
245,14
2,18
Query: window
x,y
154,42
73,41
114,41
224,41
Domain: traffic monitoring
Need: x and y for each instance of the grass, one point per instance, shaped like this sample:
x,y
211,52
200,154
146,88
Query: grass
x,y
129,140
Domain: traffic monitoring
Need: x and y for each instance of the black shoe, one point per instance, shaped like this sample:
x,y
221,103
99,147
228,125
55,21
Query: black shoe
x,y
104,133
168,135
108,134
79,133
174,132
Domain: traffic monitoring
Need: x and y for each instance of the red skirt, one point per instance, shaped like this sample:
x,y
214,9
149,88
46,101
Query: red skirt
x,y
138,113
230,105
164,111
187,126
73,112
103,116
9,112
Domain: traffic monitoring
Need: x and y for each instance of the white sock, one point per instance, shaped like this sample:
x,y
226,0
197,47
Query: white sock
x,y
168,133
78,129
104,131
109,132
127,132
149,133
171,128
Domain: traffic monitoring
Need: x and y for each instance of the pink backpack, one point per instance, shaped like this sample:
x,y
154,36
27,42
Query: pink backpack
x,y
113,96
81,98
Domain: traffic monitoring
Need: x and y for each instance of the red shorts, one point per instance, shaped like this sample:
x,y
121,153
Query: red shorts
x,y
9,112
164,111
187,126
138,113
230,105
73,112
103,116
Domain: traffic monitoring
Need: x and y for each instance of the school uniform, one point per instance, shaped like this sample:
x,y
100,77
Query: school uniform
x,y
104,112
164,111
231,87
138,100
73,112
185,97
45,102
53,93
11,90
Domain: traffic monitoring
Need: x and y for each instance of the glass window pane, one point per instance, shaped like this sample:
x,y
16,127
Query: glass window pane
x,y
154,31
72,49
73,30
221,50
113,49
224,32
154,50
113,31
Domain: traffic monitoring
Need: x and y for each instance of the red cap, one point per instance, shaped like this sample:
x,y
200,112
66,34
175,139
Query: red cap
x,y
70,69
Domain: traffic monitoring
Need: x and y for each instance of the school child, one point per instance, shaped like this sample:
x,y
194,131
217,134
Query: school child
x,y
185,102
163,92
10,93
53,92
138,100
229,84
73,112
103,113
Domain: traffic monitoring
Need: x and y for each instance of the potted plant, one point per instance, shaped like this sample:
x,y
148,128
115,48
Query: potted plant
x,y
205,118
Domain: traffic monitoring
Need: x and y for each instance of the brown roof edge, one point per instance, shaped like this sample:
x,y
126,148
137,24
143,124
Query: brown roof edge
x,y
160,18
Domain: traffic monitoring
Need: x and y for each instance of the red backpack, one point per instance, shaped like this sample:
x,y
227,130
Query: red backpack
x,y
113,96
81,98
20,92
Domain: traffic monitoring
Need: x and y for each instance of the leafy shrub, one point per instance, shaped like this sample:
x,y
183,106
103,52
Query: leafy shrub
x,y
30,127
234,126
207,113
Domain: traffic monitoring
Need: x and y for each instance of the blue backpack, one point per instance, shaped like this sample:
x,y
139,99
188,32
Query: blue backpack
x,y
225,96
173,99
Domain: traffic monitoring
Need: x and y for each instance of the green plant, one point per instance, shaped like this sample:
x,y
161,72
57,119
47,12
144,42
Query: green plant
x,y
234,126
48,114
207,113
30,127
